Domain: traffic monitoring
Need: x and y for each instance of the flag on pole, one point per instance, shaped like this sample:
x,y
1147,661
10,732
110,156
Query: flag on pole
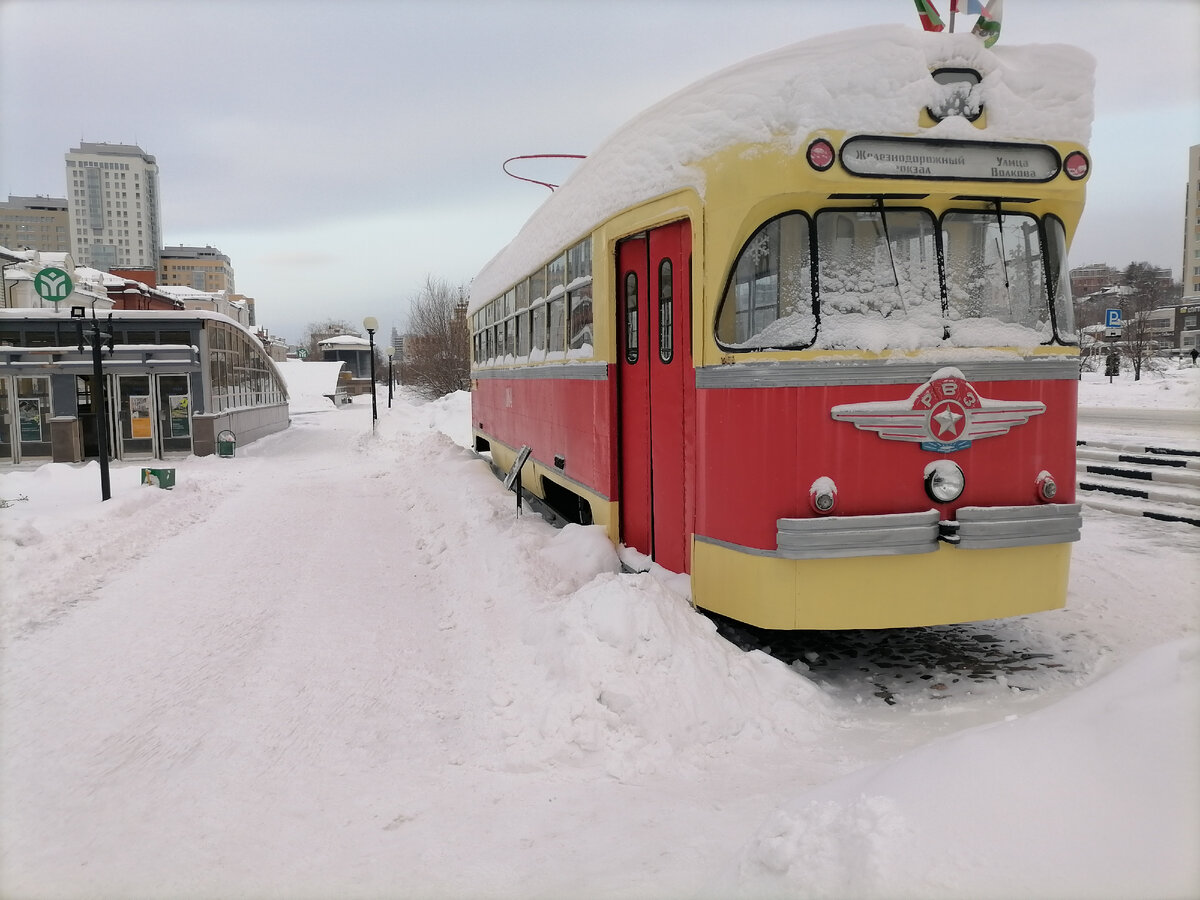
x,y
988,25
930,20
970,7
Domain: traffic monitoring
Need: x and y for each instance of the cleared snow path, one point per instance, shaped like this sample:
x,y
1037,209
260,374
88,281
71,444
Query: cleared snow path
x,y
339,665
306,684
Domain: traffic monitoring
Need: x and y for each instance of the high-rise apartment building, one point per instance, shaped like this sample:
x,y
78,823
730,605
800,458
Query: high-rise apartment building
x,y
202,268
35,223
112,195
1191,227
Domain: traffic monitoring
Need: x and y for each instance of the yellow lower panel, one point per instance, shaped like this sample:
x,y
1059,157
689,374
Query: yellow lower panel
x,y
948,585
603,511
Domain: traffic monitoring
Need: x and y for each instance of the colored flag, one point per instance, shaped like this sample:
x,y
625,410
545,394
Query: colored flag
x,y
988,25
930,20
970,7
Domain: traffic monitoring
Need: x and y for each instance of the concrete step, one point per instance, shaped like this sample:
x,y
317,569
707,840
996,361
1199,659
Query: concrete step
x,y
1154,482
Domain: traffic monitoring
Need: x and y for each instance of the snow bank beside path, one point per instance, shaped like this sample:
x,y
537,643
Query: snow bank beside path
x,y
1168,385
1091,797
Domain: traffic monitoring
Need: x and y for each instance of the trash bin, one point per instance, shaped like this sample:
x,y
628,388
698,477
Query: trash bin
x,y
163,478
226,444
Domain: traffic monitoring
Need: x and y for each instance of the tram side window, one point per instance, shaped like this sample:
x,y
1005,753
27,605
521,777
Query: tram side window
x,y
556,273
768,299
558,325
522,321
579,305
538,331
579,260
995,278
510,337
537,285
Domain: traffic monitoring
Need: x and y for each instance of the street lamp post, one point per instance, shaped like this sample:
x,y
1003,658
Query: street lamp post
x,y
371,324
391,352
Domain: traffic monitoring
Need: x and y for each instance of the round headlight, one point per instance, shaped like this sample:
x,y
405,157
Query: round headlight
x,y
1047,487
822,495
944,481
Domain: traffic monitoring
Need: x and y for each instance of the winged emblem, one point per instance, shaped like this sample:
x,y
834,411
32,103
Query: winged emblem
x,y
944,414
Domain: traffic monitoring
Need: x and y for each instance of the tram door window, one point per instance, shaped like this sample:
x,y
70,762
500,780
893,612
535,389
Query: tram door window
x,y
656,401
631,317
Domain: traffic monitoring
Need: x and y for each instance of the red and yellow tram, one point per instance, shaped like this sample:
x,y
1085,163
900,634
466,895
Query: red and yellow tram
x,y
811,343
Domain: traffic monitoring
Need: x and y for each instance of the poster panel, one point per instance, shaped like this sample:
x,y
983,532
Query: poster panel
x,y
140,425
180,423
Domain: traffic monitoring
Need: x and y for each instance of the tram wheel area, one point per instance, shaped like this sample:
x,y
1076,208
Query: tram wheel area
x,y
895,665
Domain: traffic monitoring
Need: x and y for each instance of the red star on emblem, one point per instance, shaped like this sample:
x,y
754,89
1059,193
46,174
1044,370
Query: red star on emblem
x,y
947,420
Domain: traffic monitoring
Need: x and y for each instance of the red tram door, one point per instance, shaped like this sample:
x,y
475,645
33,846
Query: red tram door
x,y
656,392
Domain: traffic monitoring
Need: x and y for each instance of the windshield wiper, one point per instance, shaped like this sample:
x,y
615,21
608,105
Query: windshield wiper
x,y
1003,255
891,255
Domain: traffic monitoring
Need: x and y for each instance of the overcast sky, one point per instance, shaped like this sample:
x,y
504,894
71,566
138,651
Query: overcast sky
x,y
340,152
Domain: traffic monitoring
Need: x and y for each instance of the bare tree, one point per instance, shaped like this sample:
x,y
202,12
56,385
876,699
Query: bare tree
x,y
437,348
1148,291
320,331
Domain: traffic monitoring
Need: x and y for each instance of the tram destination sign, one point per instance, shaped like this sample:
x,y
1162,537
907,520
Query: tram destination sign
x,y
959,160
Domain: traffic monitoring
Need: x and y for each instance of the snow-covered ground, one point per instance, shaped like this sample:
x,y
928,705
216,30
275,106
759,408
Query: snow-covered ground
x,y
339,665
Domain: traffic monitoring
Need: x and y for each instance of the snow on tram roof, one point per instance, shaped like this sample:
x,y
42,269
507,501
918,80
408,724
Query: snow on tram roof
x,y
867,80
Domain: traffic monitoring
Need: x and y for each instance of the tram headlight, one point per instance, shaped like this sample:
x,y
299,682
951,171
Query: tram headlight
x,y
1047,487
944,481
822,496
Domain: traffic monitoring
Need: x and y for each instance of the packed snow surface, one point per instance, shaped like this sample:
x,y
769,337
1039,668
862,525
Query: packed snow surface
x,y
340,665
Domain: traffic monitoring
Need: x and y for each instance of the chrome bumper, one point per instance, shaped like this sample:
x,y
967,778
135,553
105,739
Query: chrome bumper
x,y
974,528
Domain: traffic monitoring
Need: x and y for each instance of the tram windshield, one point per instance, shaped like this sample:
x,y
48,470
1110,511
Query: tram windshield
x,y
898,279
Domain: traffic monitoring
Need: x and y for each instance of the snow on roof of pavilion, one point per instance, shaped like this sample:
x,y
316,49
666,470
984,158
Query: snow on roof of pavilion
x,y
345,340
871,80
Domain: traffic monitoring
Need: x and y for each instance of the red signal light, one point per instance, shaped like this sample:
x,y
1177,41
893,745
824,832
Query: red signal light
x,y
820,154
1076,165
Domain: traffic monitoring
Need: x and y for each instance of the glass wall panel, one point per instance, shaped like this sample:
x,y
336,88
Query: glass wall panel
x,y
6,421
33,416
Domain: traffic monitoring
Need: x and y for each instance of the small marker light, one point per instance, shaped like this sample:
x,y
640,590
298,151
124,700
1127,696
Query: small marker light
x,y
822,495
1047,487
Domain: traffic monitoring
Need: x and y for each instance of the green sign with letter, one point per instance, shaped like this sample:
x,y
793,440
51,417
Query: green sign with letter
x,y
53,284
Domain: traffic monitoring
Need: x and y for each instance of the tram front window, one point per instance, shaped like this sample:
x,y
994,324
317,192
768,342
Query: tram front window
x,y
995,279
878,265
768,300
